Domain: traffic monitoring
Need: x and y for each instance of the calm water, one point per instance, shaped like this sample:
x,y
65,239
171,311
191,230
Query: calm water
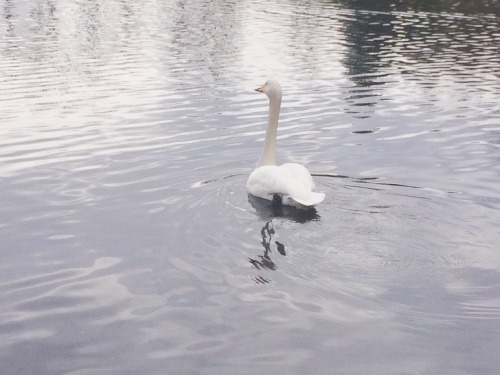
x,y
127,239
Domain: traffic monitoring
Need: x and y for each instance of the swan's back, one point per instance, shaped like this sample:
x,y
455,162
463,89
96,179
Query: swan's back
x,y
292,182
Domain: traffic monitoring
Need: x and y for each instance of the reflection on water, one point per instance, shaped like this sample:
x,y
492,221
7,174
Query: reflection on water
x,y
423,47
448,6
267,210
128,241
265,260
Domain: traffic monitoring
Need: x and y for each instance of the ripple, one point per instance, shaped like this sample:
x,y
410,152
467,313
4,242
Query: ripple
x,y
128,237
481,311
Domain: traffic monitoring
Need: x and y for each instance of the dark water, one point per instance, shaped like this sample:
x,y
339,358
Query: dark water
x,y
128,243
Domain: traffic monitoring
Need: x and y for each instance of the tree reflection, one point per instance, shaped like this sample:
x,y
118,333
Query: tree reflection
x,y
467,7
415,38
204,32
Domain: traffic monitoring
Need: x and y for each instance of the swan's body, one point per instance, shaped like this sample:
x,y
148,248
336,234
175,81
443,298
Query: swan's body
x,y
291,182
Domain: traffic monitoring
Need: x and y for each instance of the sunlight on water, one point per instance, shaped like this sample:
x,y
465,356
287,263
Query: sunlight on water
x,y
129,243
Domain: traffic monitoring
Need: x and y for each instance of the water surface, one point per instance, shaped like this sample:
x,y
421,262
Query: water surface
x,y
129,244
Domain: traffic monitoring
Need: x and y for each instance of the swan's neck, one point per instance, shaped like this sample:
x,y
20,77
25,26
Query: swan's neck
x,y
268,156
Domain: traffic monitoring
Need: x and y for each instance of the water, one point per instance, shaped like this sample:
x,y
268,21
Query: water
x,y
129,244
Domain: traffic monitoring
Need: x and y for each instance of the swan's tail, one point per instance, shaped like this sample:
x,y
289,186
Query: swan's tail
x,y
313,199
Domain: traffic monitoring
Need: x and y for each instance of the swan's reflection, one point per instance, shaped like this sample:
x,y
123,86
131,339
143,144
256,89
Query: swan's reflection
x,y
265,261
268,210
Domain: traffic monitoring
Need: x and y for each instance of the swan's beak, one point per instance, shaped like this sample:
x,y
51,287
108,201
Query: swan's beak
x,y
260,89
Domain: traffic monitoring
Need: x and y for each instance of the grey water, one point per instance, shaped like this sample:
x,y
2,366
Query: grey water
x,y
128,243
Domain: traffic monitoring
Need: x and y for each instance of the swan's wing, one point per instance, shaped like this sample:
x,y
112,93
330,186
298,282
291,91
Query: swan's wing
x,y
299,173
313,199
266,181
292,181
301,189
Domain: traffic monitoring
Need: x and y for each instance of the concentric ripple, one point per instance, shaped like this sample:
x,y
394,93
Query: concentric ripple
x,y
130,245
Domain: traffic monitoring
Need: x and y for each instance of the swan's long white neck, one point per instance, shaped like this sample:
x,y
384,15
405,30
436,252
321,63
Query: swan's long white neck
x,y
268,156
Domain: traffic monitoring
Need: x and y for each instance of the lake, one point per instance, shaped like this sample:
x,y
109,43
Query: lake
x,y
129,244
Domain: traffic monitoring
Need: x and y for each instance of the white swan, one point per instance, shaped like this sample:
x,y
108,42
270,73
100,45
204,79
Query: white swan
x,y
290,183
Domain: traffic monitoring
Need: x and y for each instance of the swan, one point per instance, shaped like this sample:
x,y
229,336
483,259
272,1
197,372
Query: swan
x,y
290,183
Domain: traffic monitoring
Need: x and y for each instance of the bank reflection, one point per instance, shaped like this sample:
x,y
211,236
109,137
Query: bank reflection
x,y
422,40
435,6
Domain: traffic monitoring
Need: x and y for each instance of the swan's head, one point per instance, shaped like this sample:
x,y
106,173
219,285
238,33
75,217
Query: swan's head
x,y
271,88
